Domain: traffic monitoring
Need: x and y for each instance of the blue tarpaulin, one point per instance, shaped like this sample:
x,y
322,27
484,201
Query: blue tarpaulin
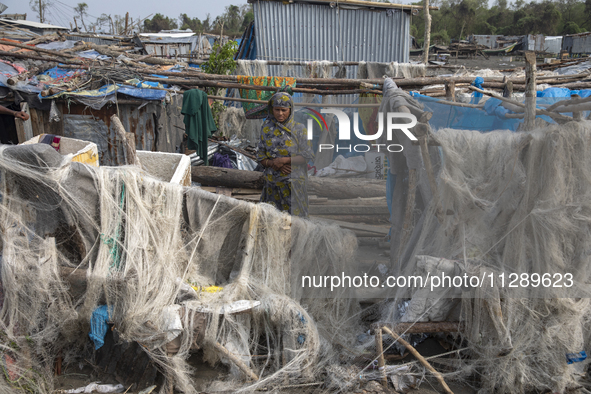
x,y
463,118
492,115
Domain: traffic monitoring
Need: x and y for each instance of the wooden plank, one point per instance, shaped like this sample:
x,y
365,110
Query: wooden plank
x,y
248,197
226,191
37,122
321,209
358,226
24,130
242,190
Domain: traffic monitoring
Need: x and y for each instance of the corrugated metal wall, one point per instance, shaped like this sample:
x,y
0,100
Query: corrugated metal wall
x,y
534,42
488,40
156,127
301,31
582,44
553,44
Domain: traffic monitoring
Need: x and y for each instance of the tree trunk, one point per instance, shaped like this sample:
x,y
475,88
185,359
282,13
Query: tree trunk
x,y
427,31
336,188
530,90
216,176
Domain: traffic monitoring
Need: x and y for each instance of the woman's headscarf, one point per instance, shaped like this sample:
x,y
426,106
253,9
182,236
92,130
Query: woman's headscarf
x,y
283,100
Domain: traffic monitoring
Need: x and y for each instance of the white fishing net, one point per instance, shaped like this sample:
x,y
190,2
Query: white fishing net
x,y
513,203
141,244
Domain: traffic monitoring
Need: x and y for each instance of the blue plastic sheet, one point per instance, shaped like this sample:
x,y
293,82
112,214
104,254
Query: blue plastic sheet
x,y
57,73
146,94
92,54
463,118
99,325
492,115
563,93
576,357
476,96
553,95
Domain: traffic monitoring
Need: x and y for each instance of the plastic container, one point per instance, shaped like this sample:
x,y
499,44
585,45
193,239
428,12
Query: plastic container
x,y
81,151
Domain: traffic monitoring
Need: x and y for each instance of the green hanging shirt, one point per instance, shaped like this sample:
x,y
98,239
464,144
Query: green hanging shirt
x,y
199,123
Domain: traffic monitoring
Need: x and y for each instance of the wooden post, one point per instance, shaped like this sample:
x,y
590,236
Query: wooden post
x,y
577,115
381,361
508,90
24,129
37,122
76,24
427,31
450,91
530,90
422,360
128,140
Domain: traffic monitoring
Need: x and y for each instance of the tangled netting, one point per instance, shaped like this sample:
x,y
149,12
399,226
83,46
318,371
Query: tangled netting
x,y
513,203
139,243
506,202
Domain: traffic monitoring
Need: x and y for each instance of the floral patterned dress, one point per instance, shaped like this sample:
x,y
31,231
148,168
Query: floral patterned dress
x,y
288,139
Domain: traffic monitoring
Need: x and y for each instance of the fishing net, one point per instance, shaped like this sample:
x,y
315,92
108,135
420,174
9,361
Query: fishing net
x,y
152,252
512,203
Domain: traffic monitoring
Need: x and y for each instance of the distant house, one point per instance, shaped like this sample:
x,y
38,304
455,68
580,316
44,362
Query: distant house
x,y
528,42
180,43
577,44
35,27
343,31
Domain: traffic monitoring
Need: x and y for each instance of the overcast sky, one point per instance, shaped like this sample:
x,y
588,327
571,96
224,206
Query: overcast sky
x,y
62,10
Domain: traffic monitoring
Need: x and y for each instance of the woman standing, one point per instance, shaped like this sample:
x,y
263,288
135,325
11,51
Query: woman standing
x,y
284,151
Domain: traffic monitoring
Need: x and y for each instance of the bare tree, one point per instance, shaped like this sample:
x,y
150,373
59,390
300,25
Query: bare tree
x,y
80,9
40,7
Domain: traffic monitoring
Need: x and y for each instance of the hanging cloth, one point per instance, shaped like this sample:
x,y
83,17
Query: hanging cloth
x,y
199,123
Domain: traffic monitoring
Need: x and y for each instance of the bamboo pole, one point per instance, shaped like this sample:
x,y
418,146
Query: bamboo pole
x,y
231,85
297,104
421,359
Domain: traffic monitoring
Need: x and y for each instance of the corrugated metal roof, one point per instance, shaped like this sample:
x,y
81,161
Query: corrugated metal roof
x,y
303,31
156,36
172,40
32,24
95,40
